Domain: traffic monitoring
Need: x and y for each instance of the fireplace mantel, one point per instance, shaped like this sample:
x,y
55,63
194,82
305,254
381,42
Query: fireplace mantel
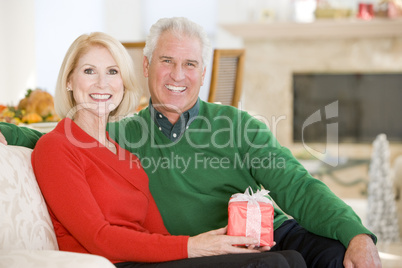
x,y
276,51
319,29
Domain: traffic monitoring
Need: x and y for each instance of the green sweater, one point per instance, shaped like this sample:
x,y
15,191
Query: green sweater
x,y
224,151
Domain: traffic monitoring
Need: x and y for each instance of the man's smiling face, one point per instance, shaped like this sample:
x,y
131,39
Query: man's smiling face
x,y
175,74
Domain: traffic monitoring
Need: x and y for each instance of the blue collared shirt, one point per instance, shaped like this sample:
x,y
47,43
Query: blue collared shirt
x,y
174,132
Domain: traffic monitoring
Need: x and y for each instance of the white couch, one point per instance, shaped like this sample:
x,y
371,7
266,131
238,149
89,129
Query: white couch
x,y
27,238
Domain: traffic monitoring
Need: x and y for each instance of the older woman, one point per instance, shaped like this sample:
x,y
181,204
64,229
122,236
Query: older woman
x,y
98,200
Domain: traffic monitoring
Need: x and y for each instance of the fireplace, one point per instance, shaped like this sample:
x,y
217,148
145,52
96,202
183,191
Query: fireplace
x,y
276,52
367,104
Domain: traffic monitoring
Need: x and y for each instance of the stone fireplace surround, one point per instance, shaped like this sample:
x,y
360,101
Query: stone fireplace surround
x,y
275,51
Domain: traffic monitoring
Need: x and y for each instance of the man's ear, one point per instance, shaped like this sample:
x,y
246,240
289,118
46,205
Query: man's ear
x,y
145,66
203,76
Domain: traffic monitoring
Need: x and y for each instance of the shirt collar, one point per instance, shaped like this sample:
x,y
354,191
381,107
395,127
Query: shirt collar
x,y
173,132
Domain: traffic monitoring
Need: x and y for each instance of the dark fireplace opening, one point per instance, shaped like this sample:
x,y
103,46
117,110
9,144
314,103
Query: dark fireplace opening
x,y
367,104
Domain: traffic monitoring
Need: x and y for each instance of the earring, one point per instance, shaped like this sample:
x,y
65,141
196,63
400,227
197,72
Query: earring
x,y
69,89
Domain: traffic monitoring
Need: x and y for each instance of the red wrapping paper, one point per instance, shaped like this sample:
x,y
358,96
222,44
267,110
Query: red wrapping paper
x,y
237,223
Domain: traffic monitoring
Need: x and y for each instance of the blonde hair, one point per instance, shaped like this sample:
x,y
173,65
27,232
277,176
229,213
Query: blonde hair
x,y
64,100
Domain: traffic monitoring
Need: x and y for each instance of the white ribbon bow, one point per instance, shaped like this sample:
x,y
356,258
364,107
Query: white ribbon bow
x,y
253,222
250,196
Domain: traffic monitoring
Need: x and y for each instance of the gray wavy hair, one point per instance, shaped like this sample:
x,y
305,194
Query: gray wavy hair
x,y
180,26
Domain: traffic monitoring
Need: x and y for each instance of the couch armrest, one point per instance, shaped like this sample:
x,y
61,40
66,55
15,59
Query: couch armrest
x,y
51,259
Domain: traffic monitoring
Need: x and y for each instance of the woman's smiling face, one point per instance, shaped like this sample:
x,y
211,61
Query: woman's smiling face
x,y
96,83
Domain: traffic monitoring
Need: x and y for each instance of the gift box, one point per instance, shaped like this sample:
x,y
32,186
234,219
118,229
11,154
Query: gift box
x,y
252,215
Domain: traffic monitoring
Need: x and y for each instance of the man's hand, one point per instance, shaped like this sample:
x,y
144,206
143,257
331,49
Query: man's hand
x,y
2,139
362,252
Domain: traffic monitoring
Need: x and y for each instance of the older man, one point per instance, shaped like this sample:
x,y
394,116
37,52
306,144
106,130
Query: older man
x,y
198,154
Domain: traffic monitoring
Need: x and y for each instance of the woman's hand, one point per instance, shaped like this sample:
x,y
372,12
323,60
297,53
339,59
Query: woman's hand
x,y
2,139
216,242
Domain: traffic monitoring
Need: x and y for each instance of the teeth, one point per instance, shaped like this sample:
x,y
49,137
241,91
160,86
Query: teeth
x,y
101,96
175,89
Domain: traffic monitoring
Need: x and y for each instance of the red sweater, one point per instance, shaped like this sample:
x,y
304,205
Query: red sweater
x,y
100,202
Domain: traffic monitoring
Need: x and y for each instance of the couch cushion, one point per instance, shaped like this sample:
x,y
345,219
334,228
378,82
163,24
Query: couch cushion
x,y
51,259
24,221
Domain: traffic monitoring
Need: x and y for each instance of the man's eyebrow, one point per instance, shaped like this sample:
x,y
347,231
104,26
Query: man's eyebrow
x,y
165,57
170,58
193,61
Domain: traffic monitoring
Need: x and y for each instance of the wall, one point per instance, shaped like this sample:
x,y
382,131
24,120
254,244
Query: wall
x,y
36,34
123,19
39,32
17,50
57,25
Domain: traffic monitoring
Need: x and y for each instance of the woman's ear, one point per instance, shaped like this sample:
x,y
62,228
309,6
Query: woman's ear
x,y
145,66
69,86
